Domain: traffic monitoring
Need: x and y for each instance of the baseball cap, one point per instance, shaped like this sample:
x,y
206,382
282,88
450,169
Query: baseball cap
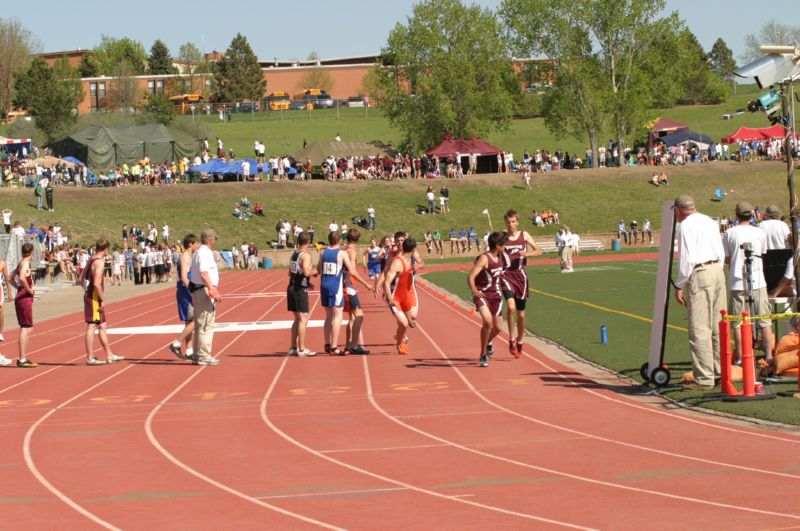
x,y
685,202
743,208
773,212
207,234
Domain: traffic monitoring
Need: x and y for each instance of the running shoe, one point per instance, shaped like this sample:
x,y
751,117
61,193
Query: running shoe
x,y
512,348
27,364
327,348
305,352
176,349
484,360
5,361
519,347
2,338
335,351
95,361
490,350
359,350
402,347
293,352
206,361
113,358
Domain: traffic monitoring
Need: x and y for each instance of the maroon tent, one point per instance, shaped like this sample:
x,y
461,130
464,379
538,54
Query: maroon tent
x,y
664,127
486,153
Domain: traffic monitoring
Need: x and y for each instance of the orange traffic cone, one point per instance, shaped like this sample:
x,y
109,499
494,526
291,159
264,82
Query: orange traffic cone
x,y
472,312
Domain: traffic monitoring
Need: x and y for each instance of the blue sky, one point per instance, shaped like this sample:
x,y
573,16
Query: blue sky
x,y
332,28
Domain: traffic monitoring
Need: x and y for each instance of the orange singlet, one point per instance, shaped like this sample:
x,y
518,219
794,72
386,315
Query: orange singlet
x,y
404,293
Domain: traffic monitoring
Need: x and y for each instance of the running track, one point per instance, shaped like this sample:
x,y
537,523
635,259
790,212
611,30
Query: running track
x,y
429,440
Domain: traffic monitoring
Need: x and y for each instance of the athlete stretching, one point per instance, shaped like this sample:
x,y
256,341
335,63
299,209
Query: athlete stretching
x,y
484,282
398,285
514,281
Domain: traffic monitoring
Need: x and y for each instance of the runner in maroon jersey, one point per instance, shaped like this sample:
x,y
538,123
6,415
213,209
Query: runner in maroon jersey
x,y
484,282
514,283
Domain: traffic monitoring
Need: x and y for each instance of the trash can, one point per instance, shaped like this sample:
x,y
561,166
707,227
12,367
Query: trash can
x,y
615,245
266,263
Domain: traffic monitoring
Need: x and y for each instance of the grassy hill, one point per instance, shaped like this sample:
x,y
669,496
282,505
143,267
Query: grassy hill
x,y
590,201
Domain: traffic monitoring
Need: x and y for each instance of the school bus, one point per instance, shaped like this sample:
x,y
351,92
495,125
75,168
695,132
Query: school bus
x,y
184,103
279,101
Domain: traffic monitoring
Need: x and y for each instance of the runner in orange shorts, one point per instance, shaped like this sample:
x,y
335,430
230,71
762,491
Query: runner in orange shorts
x,y
398,285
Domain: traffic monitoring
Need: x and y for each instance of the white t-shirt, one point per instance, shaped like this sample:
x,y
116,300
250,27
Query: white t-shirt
x,y
776,231
7,218
371,212
698,243
203,262
333,227
732,241
165,231
430,196
18,231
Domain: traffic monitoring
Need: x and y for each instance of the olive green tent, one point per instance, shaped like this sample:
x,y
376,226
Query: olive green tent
x,y
320,150
103,148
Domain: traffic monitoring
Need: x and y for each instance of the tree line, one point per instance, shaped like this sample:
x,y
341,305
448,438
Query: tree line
x,y
448,70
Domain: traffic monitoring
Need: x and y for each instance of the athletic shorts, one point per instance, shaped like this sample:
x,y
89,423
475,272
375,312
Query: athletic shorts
x,y
494,302
374,270
24,309
331,298
184,300
351,300
519,304
515,282
738,304
297,300
407,303
160,269
93,311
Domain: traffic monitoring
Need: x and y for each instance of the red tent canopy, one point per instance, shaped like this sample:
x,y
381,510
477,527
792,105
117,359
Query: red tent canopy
x,y
664,127
747,134
450,147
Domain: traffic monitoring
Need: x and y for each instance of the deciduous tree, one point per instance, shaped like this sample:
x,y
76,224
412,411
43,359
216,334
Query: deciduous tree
x,y
49,95
446,71
316,77
771,32
17,43
112,52
238,76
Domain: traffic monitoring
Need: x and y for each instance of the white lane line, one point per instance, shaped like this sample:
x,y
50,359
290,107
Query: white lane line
x,y
148,426
366,472
330,493
28,456
249,326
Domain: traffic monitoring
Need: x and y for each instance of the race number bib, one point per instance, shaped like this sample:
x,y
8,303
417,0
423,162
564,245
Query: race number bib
x,y
329,268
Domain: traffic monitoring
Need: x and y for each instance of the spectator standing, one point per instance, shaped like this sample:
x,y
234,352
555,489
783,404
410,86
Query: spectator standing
x,y
775,229
745,234
370,217
7,212
700,256
205,295
429,195
444,192
165,233
48,194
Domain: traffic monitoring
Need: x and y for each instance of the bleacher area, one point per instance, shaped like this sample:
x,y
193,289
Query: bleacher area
x,y
586,245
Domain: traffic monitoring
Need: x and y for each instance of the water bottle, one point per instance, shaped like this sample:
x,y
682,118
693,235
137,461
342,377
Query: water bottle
x,y
603,334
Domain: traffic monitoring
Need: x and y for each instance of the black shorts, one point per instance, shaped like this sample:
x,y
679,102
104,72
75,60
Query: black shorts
x,y
297,300
518,303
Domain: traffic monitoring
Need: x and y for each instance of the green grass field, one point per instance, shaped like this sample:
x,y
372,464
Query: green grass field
x,y
621,295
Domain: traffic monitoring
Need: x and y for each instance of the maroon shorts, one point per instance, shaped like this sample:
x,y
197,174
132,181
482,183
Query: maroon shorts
x,y
493,301
516,282
24,308
93,311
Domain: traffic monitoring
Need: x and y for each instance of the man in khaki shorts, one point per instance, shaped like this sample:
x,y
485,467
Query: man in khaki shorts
x,y
205,295
700,256
739,241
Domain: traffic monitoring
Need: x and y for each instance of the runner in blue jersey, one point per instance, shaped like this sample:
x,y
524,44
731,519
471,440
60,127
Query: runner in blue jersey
x,y
184,298
332,262
372,260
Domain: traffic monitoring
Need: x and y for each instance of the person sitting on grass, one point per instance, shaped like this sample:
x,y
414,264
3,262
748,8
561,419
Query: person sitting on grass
x,y
662,179
259,209
654,180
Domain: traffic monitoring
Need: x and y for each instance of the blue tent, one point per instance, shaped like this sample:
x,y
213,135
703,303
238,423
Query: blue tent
x,y
74,160
212,166
236,167
679,137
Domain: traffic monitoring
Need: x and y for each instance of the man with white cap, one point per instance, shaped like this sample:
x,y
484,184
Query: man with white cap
x,y
741,241
700,256
776,230
203,286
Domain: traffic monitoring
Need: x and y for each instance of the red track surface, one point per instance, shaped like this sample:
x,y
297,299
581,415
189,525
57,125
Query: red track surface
x,y
429,440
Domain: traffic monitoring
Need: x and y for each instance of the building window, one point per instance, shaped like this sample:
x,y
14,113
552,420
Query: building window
x,y
155,86
93,89
101,89
151,87
160,86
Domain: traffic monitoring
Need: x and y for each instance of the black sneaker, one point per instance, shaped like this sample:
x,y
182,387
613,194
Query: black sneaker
x,y
337,352
327,348
177,351
484,360
490,350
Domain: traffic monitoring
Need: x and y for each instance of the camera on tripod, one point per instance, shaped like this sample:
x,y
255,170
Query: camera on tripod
x,y
747,247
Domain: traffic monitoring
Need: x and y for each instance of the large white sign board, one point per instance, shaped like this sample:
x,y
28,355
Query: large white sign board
x,y
658,330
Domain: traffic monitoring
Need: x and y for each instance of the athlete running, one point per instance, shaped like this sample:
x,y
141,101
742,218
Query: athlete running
x,y
401,294
484,282
514,282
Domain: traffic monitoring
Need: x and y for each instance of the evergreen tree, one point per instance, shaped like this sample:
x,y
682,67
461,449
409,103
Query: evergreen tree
x,y
238,76
160,60
49,95
721,59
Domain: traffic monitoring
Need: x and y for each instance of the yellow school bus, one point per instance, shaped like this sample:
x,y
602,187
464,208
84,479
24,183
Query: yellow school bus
x,y
279,101
183,103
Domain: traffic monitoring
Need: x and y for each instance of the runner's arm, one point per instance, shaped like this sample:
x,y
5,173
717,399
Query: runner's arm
x,y
388,278
186,264
480,265
7,281
537,251
305,263
352,269
24,271
97,280
419,263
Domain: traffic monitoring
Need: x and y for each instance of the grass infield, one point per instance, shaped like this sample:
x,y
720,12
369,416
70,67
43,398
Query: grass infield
x,y
569,310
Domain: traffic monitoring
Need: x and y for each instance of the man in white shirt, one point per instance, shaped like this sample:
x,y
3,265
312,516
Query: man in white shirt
x,y
739,241
165,233
245,171
203,286
700,256
333,227
7,219
245,255
775,229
